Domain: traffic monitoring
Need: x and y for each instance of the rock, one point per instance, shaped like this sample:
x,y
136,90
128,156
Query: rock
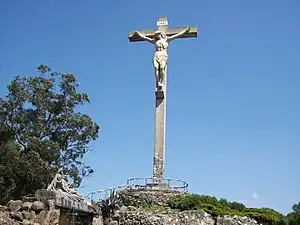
x,y
52,217
40,217
26,222
5,220
15,205
32,215
113,223
3,208
50,204
16,215
235,220
26,215
29,199
181,218
116,216
131,208
145,197
132,211
123,209
4,214
38,206
26,205
97,220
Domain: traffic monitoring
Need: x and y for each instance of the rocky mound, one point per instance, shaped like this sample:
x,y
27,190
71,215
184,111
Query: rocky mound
x,y
141,207
193,217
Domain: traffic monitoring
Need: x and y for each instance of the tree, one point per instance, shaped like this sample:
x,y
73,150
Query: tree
x,y
296,207
42,130
293,218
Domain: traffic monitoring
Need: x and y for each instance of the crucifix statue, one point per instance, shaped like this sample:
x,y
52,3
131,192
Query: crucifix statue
x,y
160,58
161,38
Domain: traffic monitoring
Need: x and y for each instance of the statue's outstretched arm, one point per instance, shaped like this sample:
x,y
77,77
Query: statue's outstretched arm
x,y
178,34
144,37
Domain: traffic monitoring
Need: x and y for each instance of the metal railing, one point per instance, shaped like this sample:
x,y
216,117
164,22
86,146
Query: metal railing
x,y
104,193
132,183
141,183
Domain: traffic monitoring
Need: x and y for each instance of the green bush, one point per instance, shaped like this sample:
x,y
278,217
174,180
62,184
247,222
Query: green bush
x,y
223,207
293,217
237,206
190,202
266,215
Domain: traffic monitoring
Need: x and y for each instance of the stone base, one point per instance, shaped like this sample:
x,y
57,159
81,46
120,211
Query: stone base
x,y
157,186
56,198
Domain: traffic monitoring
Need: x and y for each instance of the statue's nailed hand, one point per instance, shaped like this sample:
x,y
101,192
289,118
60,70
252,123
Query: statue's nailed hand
x,y
136,33
187,29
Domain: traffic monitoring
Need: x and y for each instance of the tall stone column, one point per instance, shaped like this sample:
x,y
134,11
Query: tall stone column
x,y
160,134
161,39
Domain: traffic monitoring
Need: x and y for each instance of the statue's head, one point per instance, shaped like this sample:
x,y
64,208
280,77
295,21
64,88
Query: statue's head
x,y
65,178
59,177
159,35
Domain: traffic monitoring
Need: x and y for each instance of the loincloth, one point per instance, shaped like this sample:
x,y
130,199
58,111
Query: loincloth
x,y
160,56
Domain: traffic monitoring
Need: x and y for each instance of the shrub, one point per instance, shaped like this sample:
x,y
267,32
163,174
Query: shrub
x,y
223,207
188,202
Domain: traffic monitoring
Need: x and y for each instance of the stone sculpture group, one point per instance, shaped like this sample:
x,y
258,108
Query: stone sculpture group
x,y
61,185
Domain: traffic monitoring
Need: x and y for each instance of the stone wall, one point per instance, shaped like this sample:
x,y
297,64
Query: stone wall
x,y
131,212
146,197
151,218
134,212
133,216
27,213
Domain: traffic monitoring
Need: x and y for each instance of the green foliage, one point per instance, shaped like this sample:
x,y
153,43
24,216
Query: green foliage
x,y
222,207
19,174
266,215
190,202
109,205
293,218
40,131
296,207
237,206
136,201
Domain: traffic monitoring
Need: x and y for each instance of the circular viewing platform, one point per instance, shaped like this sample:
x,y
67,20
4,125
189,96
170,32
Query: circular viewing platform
x,y
148,183
143,184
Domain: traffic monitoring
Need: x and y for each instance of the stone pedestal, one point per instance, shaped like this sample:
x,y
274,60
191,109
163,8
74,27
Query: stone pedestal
x,y
157,186
58,200
70,211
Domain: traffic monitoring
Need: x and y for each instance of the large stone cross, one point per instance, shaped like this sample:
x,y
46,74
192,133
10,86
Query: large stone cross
x,y
160,38
162,24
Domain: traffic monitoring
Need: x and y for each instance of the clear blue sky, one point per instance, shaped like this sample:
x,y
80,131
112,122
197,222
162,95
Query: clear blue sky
x,y
233,116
